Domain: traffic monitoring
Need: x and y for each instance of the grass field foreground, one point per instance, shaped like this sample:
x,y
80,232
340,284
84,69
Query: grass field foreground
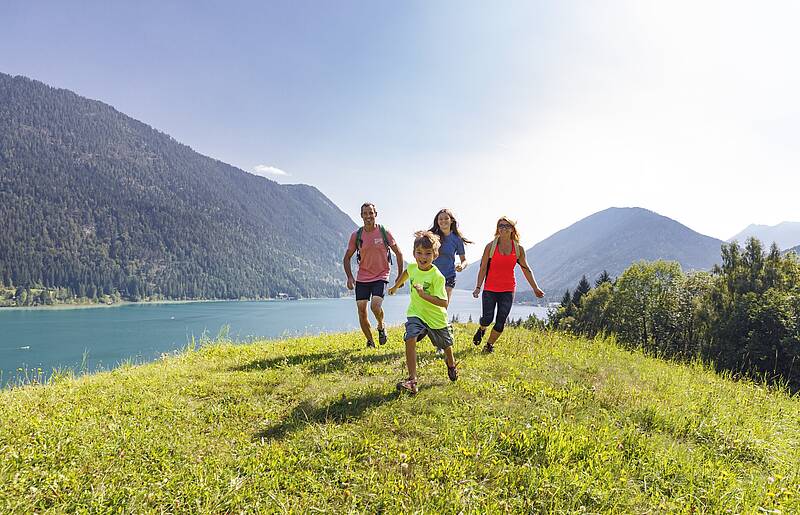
x,y
549,422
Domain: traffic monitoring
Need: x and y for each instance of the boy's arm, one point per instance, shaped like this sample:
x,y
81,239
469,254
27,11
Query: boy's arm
x,y
436,301
400,280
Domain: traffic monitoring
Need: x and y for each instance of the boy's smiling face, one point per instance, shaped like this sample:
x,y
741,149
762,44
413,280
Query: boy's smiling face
x,y
424,257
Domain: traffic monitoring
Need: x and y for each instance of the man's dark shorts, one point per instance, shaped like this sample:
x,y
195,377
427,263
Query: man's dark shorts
x,y
371,289
416,328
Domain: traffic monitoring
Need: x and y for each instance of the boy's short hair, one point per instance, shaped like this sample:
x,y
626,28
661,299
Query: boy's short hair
x,y
427,240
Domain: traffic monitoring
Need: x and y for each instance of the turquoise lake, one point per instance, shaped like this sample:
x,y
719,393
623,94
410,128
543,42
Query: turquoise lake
x,y
48,338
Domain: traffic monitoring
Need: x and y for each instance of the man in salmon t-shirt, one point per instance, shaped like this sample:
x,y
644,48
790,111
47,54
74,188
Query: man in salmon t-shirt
x,y
371,243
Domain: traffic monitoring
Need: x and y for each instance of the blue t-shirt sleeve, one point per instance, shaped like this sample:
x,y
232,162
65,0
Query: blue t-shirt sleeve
x,y
460,247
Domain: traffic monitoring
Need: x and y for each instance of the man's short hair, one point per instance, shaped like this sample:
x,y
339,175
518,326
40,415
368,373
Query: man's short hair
x,y
368,204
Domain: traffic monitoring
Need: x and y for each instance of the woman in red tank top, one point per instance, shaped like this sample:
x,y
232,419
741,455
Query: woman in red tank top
x,y
500,257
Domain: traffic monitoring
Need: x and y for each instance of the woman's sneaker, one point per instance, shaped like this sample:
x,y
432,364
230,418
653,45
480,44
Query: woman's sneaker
x,y
370,344
409,385
476,340
382,338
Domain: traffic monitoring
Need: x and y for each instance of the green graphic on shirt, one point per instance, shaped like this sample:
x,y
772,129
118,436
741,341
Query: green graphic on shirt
x,y
432,282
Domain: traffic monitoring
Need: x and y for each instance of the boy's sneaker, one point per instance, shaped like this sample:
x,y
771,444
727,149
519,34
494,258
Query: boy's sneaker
x,y
476,340
370,344
452,372
409,385
382,338
488,348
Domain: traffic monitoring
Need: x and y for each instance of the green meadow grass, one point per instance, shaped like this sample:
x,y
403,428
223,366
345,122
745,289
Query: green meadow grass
x,y
548,423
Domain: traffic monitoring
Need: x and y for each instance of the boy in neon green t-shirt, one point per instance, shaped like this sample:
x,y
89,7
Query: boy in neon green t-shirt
x,y
427,311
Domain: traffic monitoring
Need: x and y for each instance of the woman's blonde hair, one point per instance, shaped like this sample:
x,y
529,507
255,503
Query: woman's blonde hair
x,y
512,223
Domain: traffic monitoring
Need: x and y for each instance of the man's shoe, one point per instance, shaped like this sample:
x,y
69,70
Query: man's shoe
x,y
488,348
409,385
370,344
476,340
382,338
452,372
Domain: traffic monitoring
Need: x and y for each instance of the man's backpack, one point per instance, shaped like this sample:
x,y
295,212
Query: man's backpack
x,y
359,241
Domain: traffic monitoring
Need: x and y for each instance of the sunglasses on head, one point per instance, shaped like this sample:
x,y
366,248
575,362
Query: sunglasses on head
x,y
504,226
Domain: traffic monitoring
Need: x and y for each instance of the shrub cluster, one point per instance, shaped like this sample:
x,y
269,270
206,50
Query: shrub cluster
x,y
743,315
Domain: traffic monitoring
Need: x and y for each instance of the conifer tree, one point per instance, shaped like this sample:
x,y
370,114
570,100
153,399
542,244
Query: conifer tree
x,y
603,278
581,290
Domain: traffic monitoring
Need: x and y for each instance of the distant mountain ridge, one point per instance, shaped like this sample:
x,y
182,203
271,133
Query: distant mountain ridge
x,y
96,202
784,234
610,240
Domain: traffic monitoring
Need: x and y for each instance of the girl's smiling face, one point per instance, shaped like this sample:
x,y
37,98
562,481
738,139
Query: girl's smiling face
x,y
444,221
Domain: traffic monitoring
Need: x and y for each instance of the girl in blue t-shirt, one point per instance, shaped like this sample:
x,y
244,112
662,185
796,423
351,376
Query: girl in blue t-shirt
x,y
446,227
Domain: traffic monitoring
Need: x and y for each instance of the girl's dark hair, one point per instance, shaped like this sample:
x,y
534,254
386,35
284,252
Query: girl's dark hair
x,y
435,229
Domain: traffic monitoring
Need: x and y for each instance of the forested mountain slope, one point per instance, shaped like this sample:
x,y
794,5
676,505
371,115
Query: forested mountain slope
x,y
97,202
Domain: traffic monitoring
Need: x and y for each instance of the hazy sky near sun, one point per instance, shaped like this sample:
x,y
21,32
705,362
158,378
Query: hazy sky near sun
x,y
544,111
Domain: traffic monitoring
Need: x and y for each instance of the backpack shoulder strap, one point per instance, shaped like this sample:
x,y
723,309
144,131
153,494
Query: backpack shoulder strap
x,y
386,243
493,247
358,237
383,234
491,253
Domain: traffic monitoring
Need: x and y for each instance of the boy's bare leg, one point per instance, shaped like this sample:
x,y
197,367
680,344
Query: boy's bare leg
x,y
448,357
411,357
363,319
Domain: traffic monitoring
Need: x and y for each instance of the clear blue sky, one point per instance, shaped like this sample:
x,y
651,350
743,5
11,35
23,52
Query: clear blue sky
x,y
544,111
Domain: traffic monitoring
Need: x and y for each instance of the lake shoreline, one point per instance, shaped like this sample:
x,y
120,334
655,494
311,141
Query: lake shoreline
x,y
69,335
150,302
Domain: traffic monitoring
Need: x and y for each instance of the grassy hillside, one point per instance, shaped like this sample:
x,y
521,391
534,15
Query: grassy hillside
x,y
547,423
